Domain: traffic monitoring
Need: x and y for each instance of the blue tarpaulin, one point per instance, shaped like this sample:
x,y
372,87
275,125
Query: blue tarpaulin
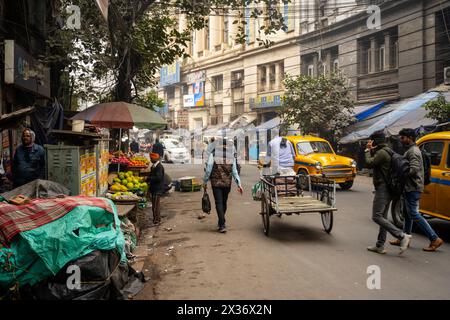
x,y
367,112
405,109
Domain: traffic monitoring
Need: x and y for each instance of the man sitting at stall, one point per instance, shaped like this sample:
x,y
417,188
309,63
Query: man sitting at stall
x,y
29,160
156,188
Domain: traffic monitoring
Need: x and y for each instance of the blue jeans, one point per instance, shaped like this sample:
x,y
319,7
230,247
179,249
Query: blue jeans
x,y
412,215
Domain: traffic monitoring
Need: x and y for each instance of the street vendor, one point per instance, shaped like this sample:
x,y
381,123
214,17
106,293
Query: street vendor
x,y
29,160
156,188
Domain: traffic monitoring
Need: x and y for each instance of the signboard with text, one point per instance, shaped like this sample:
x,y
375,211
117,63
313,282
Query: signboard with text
x,y
265,102
24,71
169,75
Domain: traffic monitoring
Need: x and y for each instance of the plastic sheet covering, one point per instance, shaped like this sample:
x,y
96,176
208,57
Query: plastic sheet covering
x,y
45,119
408,107
102,277
38,189
40,253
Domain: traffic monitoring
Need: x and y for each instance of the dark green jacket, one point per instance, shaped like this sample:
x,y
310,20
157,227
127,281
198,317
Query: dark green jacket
x,y
379,160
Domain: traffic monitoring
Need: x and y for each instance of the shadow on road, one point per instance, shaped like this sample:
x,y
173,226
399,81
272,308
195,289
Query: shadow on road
x,y
287,230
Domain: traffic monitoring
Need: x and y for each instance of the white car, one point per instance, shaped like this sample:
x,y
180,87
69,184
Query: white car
x,y
175,151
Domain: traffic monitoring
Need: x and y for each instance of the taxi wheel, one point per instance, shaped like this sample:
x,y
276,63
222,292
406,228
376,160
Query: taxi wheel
x,y
346,185
398,212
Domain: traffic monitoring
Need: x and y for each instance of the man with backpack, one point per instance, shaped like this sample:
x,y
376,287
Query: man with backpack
x,y
379,157
419,172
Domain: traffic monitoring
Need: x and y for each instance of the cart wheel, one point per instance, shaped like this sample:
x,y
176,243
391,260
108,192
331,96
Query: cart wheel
x,y
265,215
327,221
327,217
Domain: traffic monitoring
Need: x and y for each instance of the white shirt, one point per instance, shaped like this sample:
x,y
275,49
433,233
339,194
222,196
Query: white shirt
x,y
280,158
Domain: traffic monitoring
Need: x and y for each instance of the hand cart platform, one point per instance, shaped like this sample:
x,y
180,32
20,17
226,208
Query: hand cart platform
x,y
285,195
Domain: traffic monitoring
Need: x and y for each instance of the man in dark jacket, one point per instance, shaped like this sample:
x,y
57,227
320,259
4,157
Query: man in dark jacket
x,y
158,148
379,159
29,160
134,146
156,188
414,188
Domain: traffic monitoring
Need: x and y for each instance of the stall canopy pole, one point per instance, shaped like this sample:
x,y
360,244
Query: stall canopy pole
x,y
120,148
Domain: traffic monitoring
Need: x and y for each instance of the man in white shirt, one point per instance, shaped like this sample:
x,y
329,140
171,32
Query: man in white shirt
x,y
280,155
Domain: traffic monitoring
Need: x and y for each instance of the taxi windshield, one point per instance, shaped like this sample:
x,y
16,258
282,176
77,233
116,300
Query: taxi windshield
x,y
308,147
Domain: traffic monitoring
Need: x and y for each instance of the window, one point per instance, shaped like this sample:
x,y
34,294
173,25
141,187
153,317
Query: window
x,y
238,108
225,29
170,91
448,158
272,77
394,55
236,79
185,89
311,70
218,83
336,65
369,61
262,78
308,147
382,58
434,150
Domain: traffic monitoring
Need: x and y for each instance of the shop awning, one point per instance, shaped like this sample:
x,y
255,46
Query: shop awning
x,y
11,120
273,123
407,113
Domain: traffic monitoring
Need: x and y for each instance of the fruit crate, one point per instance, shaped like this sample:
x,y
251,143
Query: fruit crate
x,y
190,184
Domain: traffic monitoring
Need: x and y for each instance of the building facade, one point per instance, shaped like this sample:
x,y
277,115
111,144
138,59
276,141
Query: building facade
x,y
395,53
402,56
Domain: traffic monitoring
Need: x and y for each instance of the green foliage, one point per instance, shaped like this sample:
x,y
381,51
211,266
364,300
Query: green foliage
x,y
119,59
150,100
438,109
319,106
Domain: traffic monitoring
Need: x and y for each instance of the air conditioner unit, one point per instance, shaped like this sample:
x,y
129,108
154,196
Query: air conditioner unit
x,y
447,75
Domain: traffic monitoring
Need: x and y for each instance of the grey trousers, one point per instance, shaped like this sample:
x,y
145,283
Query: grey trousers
x,y
380,212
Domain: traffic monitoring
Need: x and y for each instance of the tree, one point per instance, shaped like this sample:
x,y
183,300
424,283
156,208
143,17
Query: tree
x,y
438,109
120,59
321,106
151,100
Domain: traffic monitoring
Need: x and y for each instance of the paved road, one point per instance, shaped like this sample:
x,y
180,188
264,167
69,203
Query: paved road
x,y
298,261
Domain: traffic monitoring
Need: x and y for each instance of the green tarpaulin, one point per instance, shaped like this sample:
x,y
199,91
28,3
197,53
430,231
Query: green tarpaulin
x,y
40,253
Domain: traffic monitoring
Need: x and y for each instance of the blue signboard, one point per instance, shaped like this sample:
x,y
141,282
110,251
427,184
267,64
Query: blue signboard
x,y
265,102
169,75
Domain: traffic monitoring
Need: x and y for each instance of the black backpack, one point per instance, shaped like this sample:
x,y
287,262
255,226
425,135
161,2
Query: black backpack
x,y
398,174
426,167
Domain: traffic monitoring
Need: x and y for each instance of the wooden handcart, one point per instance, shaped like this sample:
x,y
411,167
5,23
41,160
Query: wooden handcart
x,y
301,194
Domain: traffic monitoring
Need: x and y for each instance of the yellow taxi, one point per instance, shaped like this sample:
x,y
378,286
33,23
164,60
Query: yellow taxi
x,y
435,200
315,155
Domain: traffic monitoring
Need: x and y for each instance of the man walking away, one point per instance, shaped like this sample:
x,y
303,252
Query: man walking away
x,y
414,188
156,182
220,169
379,159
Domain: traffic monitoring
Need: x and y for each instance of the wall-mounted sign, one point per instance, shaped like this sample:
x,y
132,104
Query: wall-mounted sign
x,y
265,102
188,101
169,75
199,94
24,71
198,76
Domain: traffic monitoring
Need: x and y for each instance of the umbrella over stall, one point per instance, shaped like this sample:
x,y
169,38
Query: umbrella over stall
x,y
121,115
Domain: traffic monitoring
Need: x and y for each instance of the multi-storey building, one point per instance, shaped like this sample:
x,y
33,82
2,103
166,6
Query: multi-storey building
x,y
401,56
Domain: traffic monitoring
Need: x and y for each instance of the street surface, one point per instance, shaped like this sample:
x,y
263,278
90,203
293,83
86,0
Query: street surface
x,y
189,259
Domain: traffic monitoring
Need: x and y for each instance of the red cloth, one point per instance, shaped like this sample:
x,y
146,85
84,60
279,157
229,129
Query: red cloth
x,y
38,212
